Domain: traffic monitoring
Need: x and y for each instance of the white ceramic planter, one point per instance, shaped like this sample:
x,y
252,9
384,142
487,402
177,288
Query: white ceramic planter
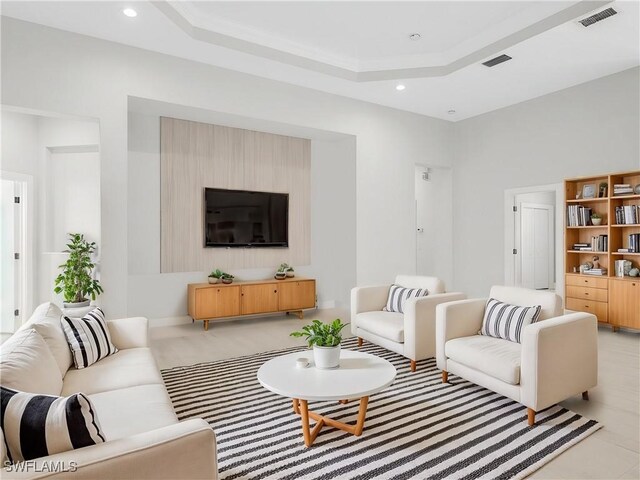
x,y
596,221
326,357
290,274
213,280
86,303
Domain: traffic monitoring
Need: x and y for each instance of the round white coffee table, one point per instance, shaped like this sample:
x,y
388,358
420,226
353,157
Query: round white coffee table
x,y
359,375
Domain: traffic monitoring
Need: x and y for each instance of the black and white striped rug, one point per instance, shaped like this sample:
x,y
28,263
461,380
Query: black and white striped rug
x,y
417,428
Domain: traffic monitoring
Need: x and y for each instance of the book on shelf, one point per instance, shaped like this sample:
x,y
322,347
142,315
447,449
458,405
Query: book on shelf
x,y
625,250
599,243
634,243
627,214
578,216
622,189
596,272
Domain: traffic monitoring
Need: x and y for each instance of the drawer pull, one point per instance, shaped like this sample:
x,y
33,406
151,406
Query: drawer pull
x,y
586,293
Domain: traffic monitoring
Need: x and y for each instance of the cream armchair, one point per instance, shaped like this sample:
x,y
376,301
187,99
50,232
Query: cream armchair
x,y
558,356
411,334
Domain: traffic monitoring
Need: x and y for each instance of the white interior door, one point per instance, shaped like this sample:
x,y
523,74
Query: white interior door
x,y
535,257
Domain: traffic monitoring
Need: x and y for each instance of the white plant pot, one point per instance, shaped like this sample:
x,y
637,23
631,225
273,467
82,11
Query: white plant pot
x,y
213,280
326,357
291,274
86,303
596,221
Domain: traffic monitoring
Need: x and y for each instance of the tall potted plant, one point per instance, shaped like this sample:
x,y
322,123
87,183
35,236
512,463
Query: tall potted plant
x,y
76,282
325,339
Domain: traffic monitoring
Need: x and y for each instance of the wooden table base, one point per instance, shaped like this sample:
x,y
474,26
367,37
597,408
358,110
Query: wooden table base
x,y
301,407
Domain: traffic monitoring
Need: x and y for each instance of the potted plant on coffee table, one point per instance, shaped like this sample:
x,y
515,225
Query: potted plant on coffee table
x,y
76,282
325,340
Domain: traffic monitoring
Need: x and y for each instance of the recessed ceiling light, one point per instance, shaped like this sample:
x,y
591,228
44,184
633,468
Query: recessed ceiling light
x,y
400,87
130,12
451,112
415,37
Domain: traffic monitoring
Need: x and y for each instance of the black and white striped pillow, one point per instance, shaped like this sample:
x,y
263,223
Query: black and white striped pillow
x,y
505,321
399,295
37,425
88,338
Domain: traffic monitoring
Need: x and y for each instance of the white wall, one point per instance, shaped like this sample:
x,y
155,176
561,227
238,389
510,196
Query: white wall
x,y
52,70
588,129
333,220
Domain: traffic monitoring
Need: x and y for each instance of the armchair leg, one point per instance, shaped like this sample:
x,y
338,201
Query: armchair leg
x,y
585,395
413,365
359,342
445,376
531,416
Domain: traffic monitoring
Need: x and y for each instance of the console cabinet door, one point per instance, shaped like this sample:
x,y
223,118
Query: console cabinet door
x,y
296,295
216,302
624,303
259,298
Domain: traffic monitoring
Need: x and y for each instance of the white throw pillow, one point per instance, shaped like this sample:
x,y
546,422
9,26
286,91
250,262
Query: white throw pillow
x,y
505,321
399,295
37,426
27,364
46,321
88,338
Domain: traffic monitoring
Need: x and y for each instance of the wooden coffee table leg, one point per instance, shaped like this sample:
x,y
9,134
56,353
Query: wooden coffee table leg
x,y
362,413
296,406
308,434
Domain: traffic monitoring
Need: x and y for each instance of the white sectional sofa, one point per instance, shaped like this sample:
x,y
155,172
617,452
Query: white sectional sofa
x,y
145,440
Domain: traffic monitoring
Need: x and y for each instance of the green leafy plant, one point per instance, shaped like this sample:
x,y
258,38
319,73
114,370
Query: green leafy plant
x,y
217,273
284,268
595,215
75,282
322,334
227,275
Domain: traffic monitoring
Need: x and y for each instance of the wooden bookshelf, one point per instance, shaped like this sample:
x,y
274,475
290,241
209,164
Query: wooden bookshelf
x,y
614,300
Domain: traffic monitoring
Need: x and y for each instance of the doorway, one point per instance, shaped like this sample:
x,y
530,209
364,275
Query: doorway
x,y
14,253
533,237
434,225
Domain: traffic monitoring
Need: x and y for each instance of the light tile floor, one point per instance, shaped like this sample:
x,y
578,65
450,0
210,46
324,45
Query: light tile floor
x,y
612,452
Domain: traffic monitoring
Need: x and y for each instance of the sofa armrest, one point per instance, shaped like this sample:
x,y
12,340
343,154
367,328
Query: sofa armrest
x,y
185,450
559,359
367,299
457,319
420,323
130,332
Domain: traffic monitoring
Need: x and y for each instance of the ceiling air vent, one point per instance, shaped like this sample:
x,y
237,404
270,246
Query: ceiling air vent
x,y
495,61
609,12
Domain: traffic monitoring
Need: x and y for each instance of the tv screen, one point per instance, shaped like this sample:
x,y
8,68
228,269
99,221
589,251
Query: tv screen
x,y
239,218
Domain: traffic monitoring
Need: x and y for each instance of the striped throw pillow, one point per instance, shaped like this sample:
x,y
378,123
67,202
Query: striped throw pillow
x,y
39,425
399,295
505,321
88,338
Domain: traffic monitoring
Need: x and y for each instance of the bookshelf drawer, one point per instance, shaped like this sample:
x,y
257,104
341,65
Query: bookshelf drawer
x,y
581,281
599,309
587,293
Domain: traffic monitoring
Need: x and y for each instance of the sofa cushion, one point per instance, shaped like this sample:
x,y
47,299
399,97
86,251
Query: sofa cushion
x,y
37,425
133,410
46,321
127,368
495,357
88,338
550,302
399,295
27,364
389,325
502,320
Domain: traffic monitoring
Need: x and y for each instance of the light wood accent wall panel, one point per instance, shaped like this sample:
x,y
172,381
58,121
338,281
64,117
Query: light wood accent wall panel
x,y
196,155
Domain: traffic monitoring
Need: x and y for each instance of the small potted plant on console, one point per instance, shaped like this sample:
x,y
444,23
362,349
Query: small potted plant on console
x,y
215,276
325,340
227,278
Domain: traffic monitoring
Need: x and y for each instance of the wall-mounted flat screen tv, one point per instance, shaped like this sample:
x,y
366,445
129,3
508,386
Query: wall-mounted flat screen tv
x,y
240,218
